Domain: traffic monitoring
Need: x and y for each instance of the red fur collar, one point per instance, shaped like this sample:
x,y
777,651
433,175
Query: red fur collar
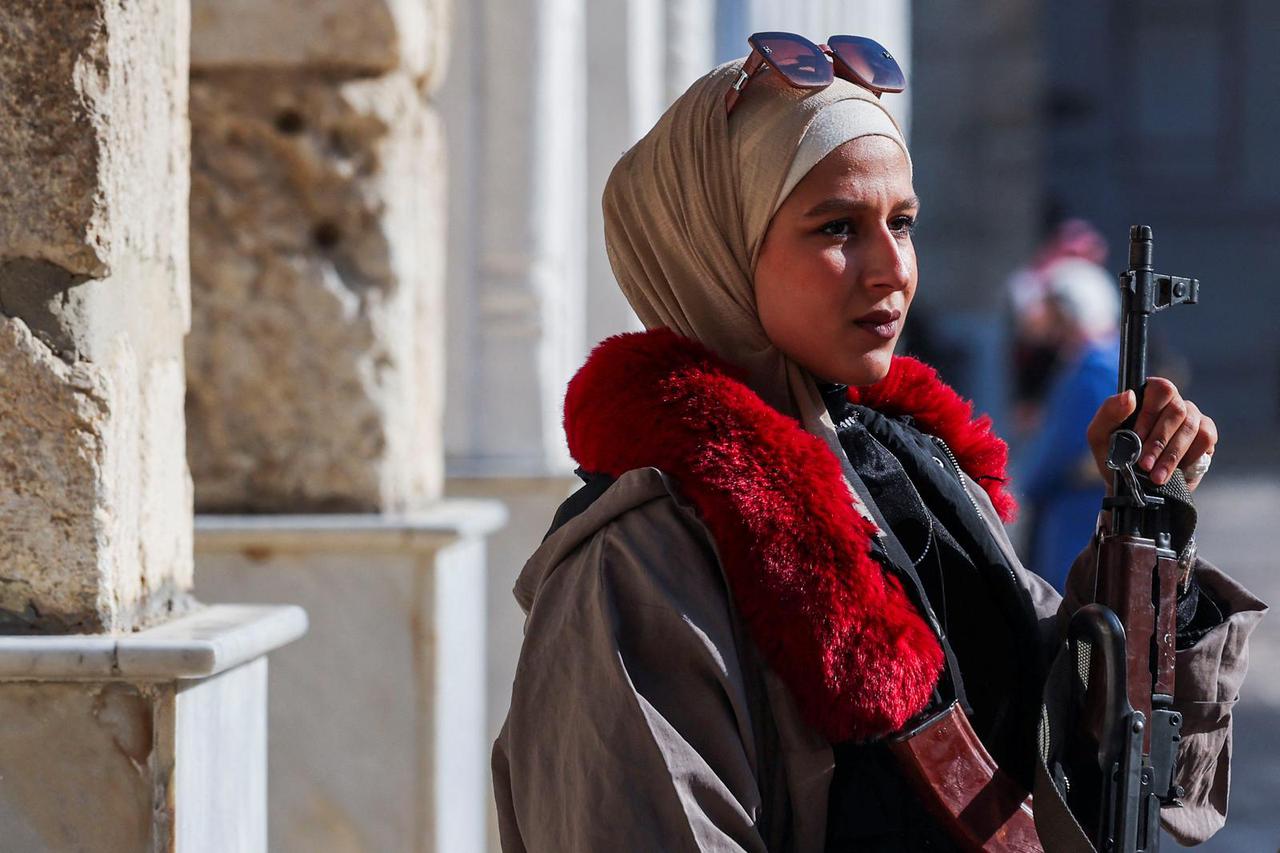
x,y
913,388
842,634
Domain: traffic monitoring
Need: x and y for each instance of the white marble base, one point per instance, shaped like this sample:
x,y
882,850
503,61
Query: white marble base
x,y
140,742
378,736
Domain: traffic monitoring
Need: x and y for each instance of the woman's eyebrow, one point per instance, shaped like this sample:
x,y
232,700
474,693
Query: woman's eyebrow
x,y
844,205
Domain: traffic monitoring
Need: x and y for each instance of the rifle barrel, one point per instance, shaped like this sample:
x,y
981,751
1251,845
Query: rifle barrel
x,y
1137,305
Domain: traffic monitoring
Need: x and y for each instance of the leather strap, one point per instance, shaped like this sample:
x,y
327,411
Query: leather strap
x,y
981,807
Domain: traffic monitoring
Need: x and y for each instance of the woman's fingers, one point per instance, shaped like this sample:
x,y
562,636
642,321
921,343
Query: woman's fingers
x,y
1110,415
1205,441
1179,443
1173,431
1155,425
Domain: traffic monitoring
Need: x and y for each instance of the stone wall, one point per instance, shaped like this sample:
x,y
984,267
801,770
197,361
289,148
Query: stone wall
x,y
315,363
95,501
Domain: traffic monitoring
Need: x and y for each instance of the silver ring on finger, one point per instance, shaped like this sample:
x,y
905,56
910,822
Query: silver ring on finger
x,y
1196,470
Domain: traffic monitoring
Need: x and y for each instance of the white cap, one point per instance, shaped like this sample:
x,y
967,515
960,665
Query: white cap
x,y
1087,295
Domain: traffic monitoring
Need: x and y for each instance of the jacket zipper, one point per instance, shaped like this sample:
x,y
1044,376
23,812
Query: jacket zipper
x,y
955,464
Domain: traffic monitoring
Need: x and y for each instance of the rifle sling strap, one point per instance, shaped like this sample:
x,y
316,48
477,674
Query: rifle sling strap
x,y
1179,510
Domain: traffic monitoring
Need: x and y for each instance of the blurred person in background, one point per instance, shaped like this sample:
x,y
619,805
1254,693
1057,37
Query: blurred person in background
x,y
1055,473
1035,341
789,545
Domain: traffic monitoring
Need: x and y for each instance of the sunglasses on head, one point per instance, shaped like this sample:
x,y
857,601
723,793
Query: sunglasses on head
x,y
805,65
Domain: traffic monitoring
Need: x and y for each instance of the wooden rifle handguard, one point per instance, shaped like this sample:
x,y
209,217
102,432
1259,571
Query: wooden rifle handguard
x,y
1131,573
980,806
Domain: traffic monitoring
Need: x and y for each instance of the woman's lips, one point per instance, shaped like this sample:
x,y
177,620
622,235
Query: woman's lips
x,y
881,324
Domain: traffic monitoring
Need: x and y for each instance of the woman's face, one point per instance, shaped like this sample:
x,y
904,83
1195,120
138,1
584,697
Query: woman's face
x,y
837,269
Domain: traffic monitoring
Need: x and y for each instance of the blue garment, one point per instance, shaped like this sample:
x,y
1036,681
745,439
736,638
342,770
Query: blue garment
x,y
1053,470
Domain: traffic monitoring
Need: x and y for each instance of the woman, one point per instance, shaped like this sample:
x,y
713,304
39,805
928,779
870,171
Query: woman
x,y
776,570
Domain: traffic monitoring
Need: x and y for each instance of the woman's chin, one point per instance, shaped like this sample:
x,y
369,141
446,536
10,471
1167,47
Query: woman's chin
x,y
859,368
868,369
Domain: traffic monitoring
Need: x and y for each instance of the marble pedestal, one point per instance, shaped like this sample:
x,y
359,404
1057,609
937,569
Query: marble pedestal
x,y
154,741
379,739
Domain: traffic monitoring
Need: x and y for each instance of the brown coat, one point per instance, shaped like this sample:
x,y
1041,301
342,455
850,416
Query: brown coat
x,y
643,719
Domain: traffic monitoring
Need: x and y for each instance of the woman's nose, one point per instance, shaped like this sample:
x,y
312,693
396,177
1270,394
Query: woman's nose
x,y
886,261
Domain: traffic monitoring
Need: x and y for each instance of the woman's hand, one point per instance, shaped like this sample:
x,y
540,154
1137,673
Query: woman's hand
x,y
1174,432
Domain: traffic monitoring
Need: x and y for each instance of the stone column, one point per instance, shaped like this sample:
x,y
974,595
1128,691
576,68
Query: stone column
x,y
315,363
626,52
134,719
514,102
95,500
516,117
316,376
689,35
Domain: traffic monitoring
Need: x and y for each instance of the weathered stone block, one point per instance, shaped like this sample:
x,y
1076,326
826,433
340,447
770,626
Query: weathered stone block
x,y
57,420
95,506
94,501
314,365
352,36
92,135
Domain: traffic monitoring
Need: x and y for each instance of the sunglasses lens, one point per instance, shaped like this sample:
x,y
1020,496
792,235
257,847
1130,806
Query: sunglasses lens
x,y
869,61
794,57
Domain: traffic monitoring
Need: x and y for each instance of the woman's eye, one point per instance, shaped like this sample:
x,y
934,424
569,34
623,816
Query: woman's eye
x,y
837,228
903,224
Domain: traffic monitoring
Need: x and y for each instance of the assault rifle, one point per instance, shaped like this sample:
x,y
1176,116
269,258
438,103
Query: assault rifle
x,y
1125,640
1108,733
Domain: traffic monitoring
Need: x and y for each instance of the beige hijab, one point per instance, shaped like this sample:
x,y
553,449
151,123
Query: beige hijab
x,y
686,210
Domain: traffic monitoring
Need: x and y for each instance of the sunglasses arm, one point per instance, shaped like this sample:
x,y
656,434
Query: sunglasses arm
x,y
754,64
